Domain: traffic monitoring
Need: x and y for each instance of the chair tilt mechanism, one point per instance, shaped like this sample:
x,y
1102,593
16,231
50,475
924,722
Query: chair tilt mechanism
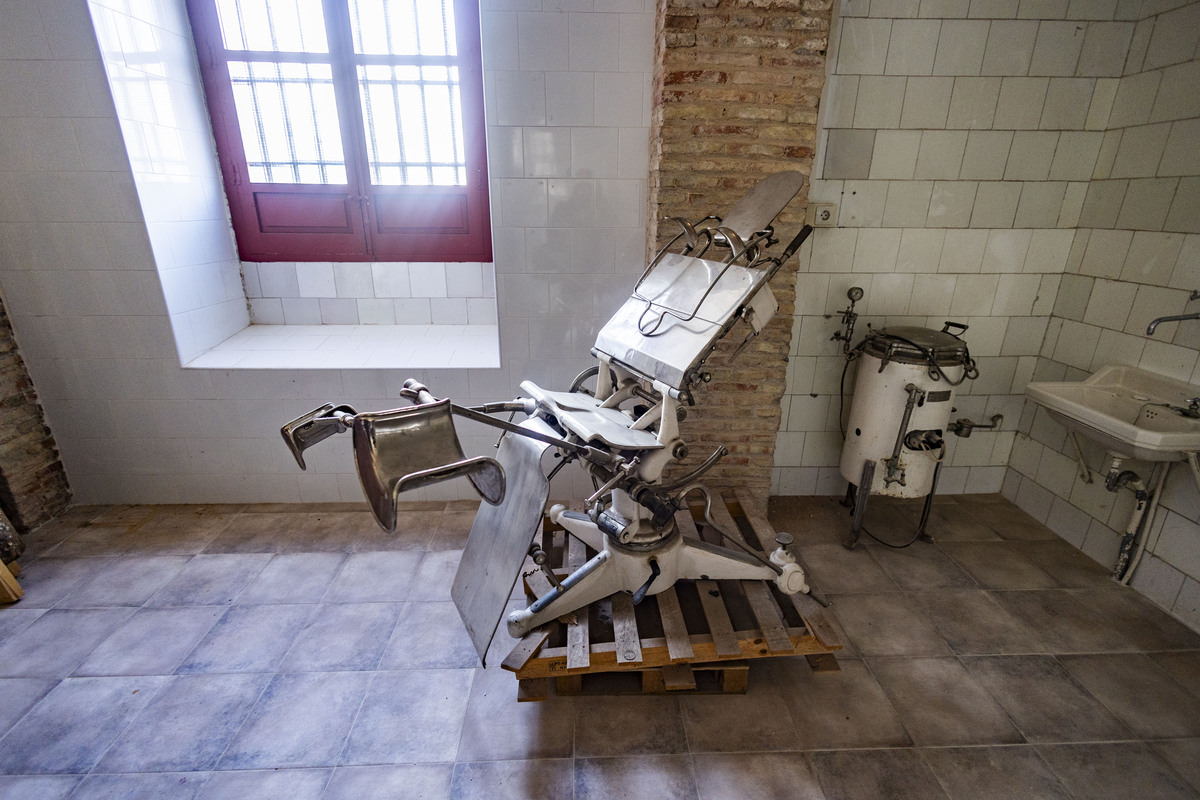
x,y
619,420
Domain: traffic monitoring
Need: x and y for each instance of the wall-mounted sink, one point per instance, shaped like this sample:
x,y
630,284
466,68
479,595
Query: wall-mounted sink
x,y
1129,412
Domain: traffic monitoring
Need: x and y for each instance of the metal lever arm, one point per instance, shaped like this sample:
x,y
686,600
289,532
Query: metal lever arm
x,y
316,426
640,594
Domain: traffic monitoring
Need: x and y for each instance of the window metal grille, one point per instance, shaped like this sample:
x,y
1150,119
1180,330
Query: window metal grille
x,y
288,117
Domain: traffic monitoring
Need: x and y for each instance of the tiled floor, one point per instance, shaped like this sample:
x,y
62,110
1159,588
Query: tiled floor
x,y
297,652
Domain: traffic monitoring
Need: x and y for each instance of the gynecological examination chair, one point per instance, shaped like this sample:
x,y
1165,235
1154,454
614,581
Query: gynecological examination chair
x,y
618,420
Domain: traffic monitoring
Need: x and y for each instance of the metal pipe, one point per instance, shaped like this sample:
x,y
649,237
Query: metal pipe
x,y
1173,318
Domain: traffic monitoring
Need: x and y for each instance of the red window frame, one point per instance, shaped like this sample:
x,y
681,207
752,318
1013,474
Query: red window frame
x,y
357,221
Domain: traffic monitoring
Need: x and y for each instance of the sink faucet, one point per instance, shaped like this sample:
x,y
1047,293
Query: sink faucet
x,y
1175,317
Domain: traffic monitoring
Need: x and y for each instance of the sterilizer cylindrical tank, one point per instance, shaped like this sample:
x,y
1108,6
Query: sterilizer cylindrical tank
x,y
890,361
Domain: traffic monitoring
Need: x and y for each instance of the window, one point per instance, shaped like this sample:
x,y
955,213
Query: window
x,y
348,130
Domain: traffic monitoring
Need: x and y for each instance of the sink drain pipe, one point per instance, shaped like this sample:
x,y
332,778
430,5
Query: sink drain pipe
x,y
1139,520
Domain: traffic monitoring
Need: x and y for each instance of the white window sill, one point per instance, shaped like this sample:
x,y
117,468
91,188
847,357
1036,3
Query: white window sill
x,y
355,347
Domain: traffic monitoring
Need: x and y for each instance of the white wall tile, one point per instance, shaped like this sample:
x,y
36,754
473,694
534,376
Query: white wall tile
x,y
1152,258
390,279
542,41
1057,47
1105,254
427,280
995,204
1110,304
1181,152
907,203
895,155
1005,251
863,45
1030,155
1134,100
1067,102
973,295
986,155
1021,103
973,103
594,42
963,251
941,153
571,98
960,47
595,152
1176,98
1175,37
1147,203
879,102
315,279
353,280
1009,47
1105,45
926,102
520,97
951,203
620,98
912,47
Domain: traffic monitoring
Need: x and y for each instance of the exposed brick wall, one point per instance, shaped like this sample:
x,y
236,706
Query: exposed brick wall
x,y
33,485
737,85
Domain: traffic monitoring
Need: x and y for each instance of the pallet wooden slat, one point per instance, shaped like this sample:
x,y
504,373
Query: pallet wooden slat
x,y
678,677
629,645
678,643
578,642
718,618
769,621
529,644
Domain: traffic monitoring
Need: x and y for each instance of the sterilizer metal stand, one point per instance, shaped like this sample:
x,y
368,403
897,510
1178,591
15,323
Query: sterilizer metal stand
x,y
856,500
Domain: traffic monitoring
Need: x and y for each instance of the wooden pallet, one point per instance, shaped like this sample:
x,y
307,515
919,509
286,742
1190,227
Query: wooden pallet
x,y
694,625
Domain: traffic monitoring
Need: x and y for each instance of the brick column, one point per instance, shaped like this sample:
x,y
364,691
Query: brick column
x,y
737,83
33,485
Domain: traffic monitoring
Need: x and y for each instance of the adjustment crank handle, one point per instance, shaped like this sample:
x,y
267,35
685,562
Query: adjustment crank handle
x,y
640,594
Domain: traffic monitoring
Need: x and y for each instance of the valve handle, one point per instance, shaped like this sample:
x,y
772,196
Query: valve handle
x,y
640,594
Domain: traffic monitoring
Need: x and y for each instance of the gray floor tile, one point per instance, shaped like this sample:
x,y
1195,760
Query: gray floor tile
x,y
762,776
248,639
1139,692
921,567
71,727
154,786
42,787
46,581
755,722
1183,756
1061,624
994,773
660,777
1138,619
276,784
152,642
424,781
18,695
1011,523
293,578
1184,667
300,721
1043,701
429,635
342,636
14,619
626,726
973,623
210,580
998,565
1066,565
126,582
957,522
876,775
812,520
186,726
58,641
835,710
513,780
374,578
941,704
410,716
1114,771
496,727
887,625
840,571
435,575
93,540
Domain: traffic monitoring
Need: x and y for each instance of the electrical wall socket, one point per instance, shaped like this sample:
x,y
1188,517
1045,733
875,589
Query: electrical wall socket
x,y
822,215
